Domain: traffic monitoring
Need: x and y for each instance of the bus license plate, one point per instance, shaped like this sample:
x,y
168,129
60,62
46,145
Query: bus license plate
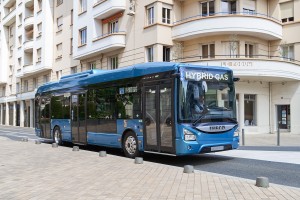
x,y
217,148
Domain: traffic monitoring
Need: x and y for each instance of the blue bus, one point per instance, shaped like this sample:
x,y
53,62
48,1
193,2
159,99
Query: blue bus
x,y
163,107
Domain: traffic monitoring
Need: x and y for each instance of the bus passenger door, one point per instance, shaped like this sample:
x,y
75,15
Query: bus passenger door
x,y
78,118
157,116
45,118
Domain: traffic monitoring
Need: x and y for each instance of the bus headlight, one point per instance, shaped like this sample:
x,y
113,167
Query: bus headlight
x,y
236,132
188,135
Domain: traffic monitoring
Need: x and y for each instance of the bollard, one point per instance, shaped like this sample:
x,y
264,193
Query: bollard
x,y
24,139
54,145
243,137
262,182
102,153
37,142
75,148
188,169
278,135
138,160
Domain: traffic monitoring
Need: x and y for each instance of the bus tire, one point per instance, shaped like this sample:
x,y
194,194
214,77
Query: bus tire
x,y
57,138
130,145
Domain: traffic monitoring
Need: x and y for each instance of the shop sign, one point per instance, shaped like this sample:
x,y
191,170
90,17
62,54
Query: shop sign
x,y
237,63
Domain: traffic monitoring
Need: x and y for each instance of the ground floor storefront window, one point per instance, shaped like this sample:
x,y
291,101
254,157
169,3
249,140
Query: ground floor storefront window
x,y
250,110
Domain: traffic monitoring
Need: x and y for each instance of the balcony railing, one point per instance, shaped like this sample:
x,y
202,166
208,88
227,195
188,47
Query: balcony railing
x,y
109,34
226,14
239,56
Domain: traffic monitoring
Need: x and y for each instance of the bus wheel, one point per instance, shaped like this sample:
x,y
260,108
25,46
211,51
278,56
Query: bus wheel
x,y
130,145
57,136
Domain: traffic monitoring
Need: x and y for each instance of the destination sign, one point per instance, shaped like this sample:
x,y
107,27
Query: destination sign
x,y
204,75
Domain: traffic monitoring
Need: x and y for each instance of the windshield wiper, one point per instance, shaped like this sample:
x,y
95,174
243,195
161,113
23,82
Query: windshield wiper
x,y
204,113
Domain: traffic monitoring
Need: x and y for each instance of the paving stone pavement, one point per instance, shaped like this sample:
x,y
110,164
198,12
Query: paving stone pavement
x,y
38,171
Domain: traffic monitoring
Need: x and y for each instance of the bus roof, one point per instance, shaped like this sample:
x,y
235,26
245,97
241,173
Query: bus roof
x,y
78,80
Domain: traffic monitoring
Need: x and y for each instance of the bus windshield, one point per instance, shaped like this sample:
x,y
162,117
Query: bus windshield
x,y
206,97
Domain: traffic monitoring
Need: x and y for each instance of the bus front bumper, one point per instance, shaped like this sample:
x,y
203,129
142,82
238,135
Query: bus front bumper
x,y
193,147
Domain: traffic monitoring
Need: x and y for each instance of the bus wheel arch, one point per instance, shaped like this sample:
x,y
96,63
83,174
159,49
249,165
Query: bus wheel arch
x,y
130,144
57,137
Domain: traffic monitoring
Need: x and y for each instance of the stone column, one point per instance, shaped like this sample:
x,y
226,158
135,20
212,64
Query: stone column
x,y
7,114
14,113
22,113
31,113
241,111
1,111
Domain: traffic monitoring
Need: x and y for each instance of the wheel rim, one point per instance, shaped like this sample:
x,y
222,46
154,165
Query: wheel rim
x,y
57,136
130,145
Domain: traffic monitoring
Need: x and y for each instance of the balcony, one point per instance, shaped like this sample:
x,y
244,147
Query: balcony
x,y
105,8
31,69
258,25
28,22
258,68
19,73
28,46
9,17
102,44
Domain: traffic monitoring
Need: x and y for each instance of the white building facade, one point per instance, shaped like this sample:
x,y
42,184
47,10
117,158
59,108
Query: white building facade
x,y
259,40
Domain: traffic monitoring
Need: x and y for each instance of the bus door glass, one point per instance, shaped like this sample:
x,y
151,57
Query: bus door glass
x,y
78,118
45,118
158,134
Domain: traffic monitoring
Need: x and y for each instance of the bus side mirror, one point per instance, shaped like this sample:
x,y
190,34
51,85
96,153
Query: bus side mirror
x,y
235,79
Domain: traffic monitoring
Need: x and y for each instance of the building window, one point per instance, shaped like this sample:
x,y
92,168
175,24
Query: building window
x,y
40,3
46,78
92,65
20,40
58,2
39,28
35,83
25,86
39,54
113,62
82,36
150,55
208,51
19,61
229,6
74,70
71,46
59,22
59,50
166,15
83,6
58,74
20,19
166,54
10,89
150,15
17,88
113,26
287,11
10,69
72,17
287,52
11,50
249,7
207,8
231,49
249,50
11,31
3,91
250,110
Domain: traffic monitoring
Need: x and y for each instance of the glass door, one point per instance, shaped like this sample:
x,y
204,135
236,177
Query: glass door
x,y
283,116
158,120
78,118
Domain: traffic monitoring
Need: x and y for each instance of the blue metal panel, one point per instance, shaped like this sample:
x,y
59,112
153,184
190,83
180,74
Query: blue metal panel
x,y
104,139
135,125
65,127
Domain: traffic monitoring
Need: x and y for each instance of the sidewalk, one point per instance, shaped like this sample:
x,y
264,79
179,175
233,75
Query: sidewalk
x,y
31,171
